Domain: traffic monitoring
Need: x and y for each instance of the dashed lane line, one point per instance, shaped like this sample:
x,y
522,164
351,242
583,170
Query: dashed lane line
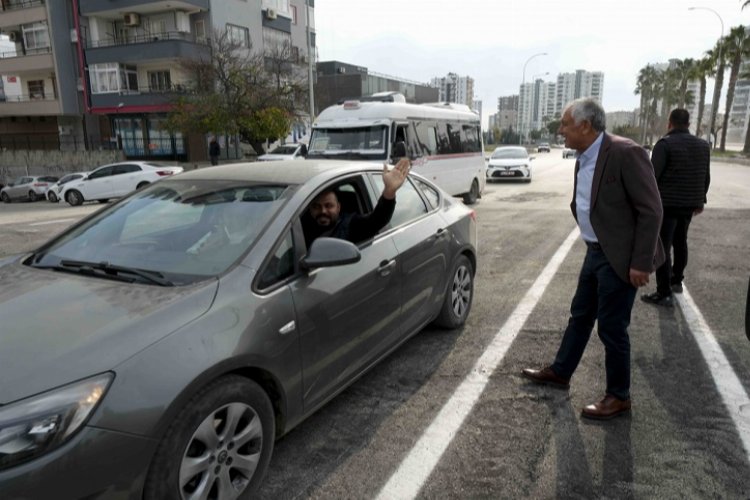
x,y
416,467
727,383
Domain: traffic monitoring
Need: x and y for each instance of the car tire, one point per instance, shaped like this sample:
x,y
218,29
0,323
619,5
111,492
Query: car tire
x,y
458,296
142,185
33,196
471,197
52,197
74,198
105,200
5,197
232,396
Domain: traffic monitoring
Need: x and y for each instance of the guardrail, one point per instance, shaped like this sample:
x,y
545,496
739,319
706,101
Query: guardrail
x,y
27,98
147,38
27,52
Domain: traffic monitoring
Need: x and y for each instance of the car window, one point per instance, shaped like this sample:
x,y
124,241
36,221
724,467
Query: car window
x,y
101,172
69,177
429,192
126,169
47,179
409,204
281,264
510,154
25,180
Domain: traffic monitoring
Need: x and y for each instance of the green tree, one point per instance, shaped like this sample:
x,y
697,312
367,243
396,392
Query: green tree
x,y
703,69
237,91
646,87
627,131
719,58
737,48
553,126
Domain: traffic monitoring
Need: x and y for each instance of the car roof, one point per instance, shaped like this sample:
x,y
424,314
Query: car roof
x,y
499,148
284,171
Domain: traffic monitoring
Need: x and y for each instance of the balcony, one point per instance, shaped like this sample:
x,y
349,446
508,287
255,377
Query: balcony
x,y
15,14
142,97
105,7
33,60
25,105
168,45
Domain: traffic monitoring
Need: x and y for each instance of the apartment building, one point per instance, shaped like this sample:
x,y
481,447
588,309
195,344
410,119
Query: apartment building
x,y
454,88
582,83
105,73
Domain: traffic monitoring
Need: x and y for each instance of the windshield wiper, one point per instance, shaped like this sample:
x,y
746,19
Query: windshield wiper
x,y
106,269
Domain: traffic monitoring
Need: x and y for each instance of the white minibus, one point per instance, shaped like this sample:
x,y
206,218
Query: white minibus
x,y
443,140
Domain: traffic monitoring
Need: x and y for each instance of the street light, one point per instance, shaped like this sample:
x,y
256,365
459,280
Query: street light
x,y
523,82
717,89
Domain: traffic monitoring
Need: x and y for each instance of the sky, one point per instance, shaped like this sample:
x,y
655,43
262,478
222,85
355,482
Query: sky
x,y
490,40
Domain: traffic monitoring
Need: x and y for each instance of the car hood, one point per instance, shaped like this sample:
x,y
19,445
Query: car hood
x,y
509,163
56,328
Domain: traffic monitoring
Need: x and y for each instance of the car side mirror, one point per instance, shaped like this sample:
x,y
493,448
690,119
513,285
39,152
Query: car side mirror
x,y
330,252
399,150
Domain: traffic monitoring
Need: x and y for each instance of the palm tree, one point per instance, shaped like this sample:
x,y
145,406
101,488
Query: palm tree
x,y
684,71
737,47
703,69
720,59
645,88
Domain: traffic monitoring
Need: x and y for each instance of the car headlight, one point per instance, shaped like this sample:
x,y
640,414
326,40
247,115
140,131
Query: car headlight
x,y
31,427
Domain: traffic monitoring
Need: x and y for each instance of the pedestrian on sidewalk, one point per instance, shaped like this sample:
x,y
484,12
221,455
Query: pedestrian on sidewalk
x,y
616,205
214,150
682,168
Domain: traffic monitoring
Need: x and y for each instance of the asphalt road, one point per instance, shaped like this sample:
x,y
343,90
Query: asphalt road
x,y
412,421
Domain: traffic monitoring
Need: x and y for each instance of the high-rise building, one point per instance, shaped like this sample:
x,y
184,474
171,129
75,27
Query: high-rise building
x,y
507,113
571,86
93,73
454,88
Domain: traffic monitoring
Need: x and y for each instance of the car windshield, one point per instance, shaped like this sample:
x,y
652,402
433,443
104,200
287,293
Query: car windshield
x,y
357,142
510,154
284,150
185,230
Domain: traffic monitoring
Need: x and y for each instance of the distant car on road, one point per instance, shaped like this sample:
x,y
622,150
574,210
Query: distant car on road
x,y
114,181
53,193
27,188
569,153
543,147
285,152
157,349
509,163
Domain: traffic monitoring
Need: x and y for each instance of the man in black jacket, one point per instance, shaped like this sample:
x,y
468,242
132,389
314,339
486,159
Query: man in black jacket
x,y
325,210
681,165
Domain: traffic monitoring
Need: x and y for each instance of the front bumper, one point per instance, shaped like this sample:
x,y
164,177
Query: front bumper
x,y
95,464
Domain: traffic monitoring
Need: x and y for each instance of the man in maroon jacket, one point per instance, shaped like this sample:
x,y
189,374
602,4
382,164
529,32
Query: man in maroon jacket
x,y
617,206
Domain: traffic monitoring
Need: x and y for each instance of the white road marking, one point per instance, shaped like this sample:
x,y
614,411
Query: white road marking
x,y
57,221
728,384
416,467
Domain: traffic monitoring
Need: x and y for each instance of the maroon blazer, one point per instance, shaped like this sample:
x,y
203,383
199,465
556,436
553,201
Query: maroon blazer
x,y
626,209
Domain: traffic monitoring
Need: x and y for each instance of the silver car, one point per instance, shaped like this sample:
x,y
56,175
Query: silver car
x,y
188,325
27,188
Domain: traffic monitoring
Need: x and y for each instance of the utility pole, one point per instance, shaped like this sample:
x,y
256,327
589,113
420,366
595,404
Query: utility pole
x,y
309,64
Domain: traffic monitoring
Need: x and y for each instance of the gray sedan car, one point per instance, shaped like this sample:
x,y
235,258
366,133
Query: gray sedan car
x,y
156,349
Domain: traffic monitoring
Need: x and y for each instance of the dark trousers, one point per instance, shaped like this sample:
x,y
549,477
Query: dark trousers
x,y
673,234
604,297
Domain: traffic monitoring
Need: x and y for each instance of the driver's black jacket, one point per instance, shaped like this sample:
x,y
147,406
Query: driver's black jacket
x,y
354,227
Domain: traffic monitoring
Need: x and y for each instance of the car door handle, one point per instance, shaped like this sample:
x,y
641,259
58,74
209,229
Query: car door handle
x,y
288,328
385,267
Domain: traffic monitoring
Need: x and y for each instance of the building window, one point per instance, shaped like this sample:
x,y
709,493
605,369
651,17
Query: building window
x,y
280,6
159,81
110,78
36,89
294,14
35,36
275,40
238,35
200,31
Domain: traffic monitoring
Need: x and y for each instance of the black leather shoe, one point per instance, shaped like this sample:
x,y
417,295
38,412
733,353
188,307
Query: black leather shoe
x,y
609,407
657,299
676,287
546,376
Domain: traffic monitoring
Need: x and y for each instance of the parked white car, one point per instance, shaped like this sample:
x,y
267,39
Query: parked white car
x,y
511,163
29,188
114,181
285,152
53,193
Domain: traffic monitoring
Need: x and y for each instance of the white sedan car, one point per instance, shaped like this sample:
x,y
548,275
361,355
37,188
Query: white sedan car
x,y
114,181
511,163
285,152
53,193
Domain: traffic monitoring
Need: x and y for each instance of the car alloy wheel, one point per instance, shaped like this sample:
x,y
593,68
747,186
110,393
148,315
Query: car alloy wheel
x,y
218,447
33,196
52,197
5,197
74,198
458,297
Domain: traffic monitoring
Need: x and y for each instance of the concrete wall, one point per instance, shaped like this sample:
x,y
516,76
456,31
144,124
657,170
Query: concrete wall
x,y
13,163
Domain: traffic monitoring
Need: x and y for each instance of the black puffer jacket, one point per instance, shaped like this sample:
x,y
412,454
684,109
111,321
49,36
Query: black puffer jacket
x,y
681,165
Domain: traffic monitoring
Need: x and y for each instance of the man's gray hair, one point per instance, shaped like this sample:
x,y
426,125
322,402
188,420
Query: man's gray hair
x,y
588,109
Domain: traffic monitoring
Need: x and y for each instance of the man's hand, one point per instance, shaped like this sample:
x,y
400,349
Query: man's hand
x,y
638,278
697,211
394,178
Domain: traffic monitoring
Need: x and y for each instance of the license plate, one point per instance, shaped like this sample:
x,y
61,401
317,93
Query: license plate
x,y
507,173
